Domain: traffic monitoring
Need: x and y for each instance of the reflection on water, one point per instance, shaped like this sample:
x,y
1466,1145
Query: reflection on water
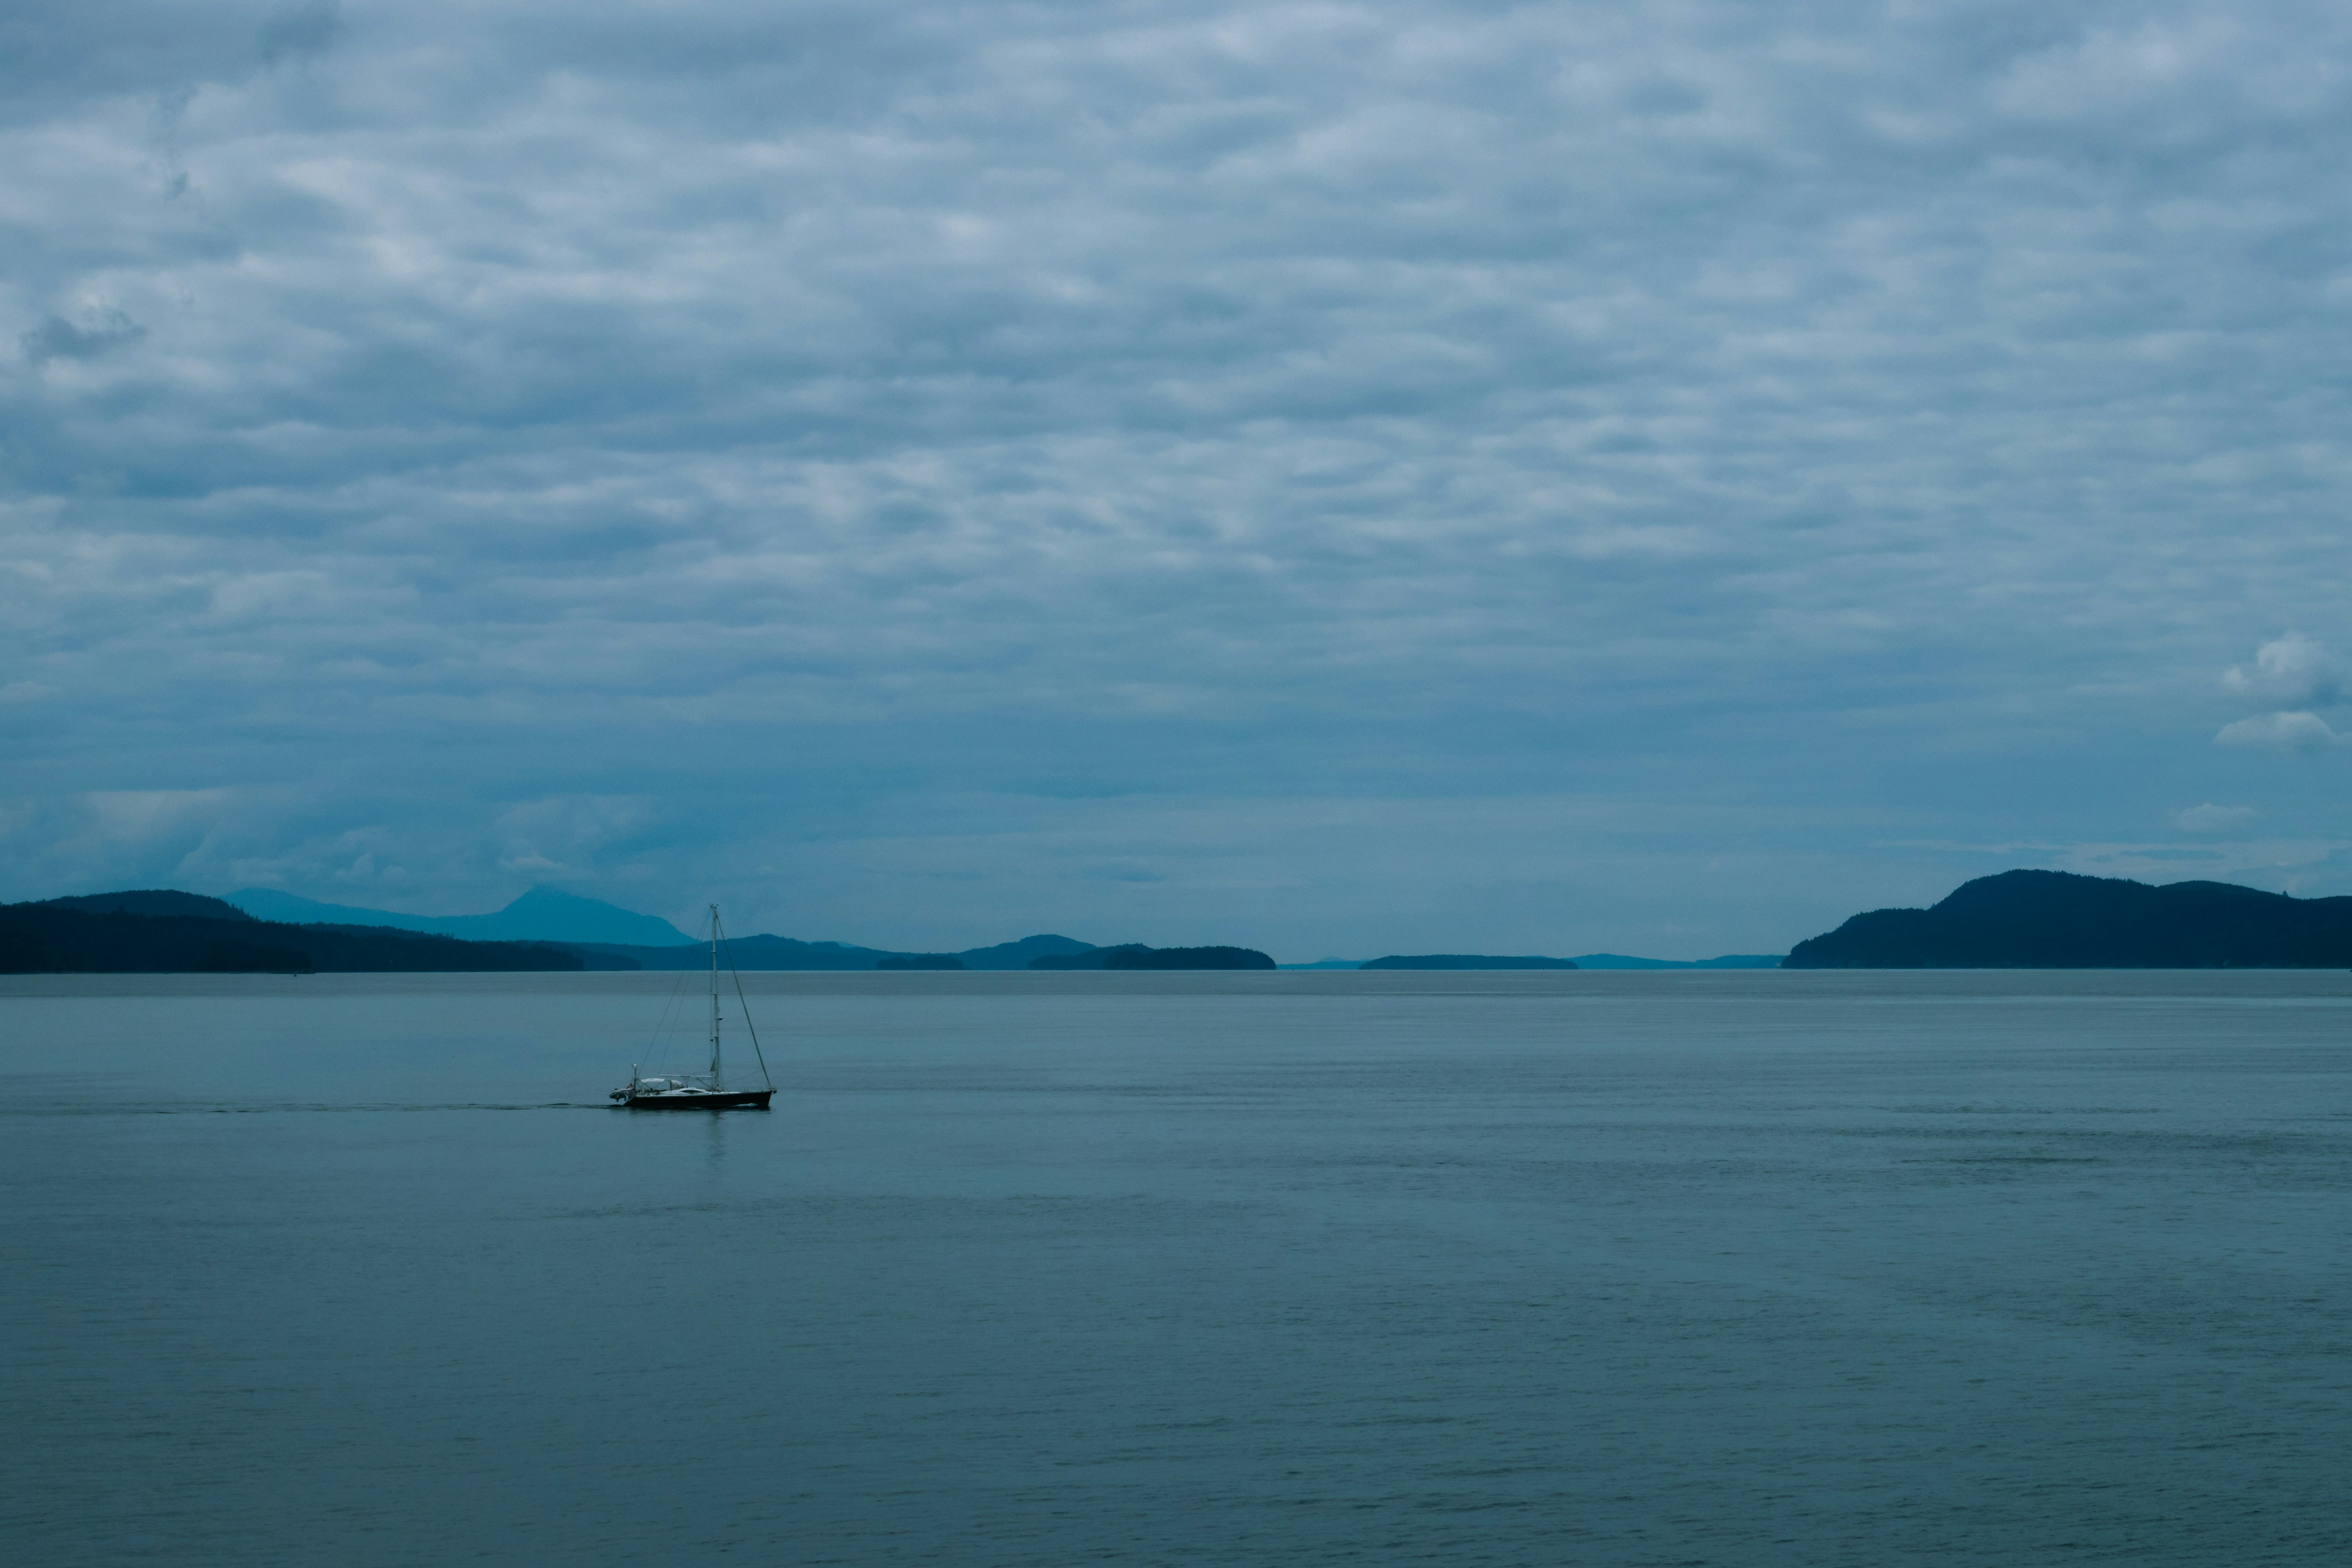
x,y
1613,1268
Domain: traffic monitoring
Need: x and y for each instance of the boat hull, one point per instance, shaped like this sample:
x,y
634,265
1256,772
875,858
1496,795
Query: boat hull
x,y
750,1100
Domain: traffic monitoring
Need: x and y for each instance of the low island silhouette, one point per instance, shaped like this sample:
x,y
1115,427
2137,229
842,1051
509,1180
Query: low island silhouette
x,y
1134,955
2058,920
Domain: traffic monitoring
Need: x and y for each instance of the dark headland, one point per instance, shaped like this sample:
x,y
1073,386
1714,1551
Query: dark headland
x,y
2056,920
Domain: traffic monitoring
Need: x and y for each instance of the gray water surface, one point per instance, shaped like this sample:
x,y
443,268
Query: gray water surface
x,y
1744,1269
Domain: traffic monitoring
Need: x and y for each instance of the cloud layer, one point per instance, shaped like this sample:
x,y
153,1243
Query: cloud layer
x,y
1327,475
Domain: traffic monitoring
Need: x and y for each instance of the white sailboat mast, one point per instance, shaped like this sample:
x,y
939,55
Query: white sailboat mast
x,y
715,1080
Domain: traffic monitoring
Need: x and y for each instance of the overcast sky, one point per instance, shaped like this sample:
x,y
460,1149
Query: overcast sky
x,y
1338,477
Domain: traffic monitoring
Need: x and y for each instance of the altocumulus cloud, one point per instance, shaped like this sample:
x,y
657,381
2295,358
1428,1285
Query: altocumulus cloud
x,y
2307,733
2297,674
1543,476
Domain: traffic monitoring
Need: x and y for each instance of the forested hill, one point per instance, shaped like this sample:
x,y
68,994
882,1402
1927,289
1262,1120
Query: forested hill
x,y
2054,919
112,933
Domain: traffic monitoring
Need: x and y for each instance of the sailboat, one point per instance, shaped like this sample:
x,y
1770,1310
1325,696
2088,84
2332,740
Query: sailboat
x,y
707,1091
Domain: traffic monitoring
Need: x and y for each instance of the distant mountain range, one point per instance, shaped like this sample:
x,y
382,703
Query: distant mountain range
x,y
163,931
623,938
2055,920
541,914
2017,919
594,934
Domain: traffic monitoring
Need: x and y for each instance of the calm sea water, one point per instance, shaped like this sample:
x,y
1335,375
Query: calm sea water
x,y
1725,1269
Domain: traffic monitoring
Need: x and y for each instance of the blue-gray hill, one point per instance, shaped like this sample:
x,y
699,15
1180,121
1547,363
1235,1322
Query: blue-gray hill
x,y
2055,920
540,914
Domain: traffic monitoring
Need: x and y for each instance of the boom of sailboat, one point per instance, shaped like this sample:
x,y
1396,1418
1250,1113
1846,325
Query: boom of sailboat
x,y
704,1091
